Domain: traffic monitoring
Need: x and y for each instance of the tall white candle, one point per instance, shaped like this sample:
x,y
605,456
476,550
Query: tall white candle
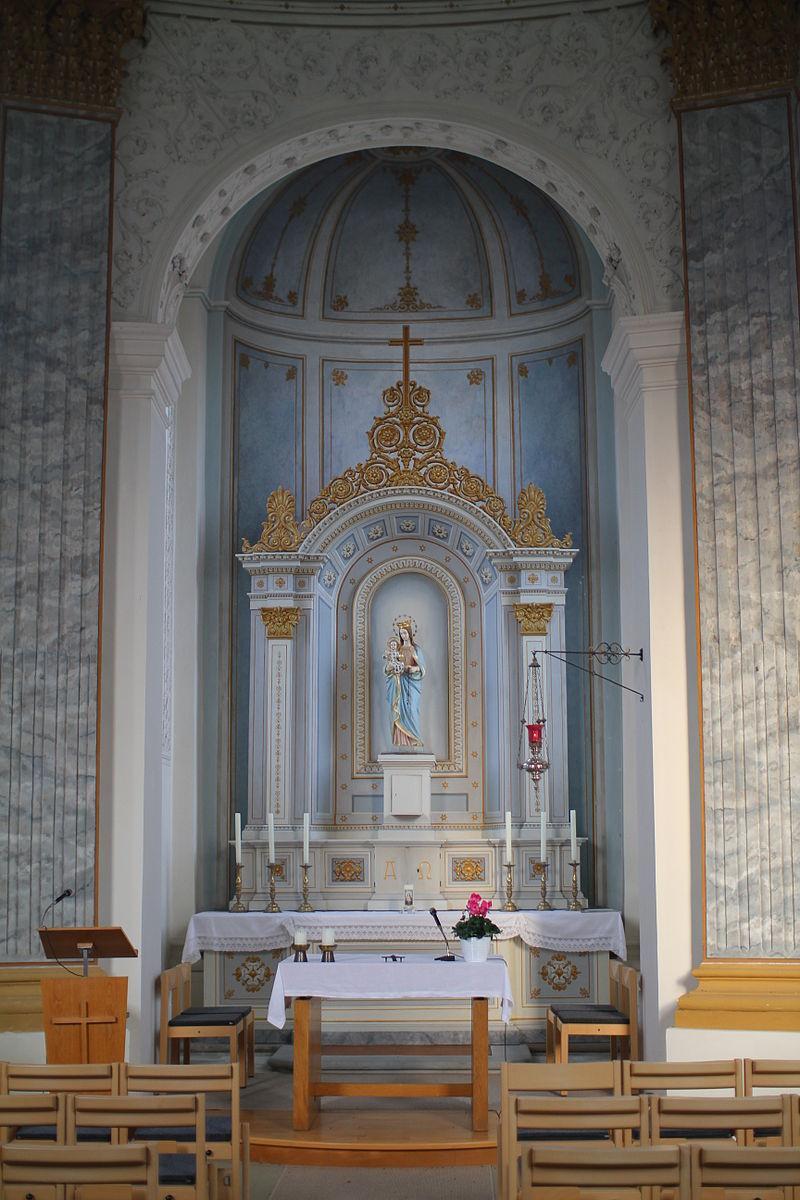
x,y
328,936
271,836
508,838
300,937
542,836
237,834
306,835
573,837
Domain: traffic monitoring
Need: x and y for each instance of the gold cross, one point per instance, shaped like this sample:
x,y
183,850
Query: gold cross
x,y
406,341
84,1020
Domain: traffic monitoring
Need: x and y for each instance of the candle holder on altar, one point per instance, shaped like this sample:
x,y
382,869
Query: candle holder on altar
x,y
509,905
300,952
544,904
237,905
575,904
327,952
305,906
273,906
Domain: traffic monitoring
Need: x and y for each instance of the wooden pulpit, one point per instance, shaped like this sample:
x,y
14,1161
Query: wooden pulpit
x,y
85,1019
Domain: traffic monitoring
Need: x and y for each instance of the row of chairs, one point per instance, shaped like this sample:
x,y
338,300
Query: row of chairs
x,y
687,1172
612,1103
197,1146
74,1173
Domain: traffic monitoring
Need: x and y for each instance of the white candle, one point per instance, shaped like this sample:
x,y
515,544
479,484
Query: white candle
x,y
542,836
573,837
306,835
508,838
271,836
300,937
328,938
237,833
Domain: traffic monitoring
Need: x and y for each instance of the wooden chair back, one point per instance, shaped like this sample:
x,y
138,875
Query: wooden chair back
x,y
746,1118
95,1079
773,1074
627,992
622,1119
559,1173
18,1111
722,1173
57,1172
719,1075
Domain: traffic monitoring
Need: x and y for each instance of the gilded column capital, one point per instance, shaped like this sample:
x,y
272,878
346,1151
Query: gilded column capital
x,y
721,47
533,618
66,51
280,622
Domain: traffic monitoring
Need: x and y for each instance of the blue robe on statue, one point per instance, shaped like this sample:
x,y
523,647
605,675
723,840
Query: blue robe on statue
x,y
404,693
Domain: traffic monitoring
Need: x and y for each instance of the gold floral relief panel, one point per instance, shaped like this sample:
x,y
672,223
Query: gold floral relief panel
x,y
557,975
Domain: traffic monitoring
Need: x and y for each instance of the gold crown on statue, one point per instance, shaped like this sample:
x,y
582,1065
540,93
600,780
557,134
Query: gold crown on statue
x,y
405,622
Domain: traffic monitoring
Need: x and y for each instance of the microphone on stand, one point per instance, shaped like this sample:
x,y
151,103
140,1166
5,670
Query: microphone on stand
x,y
63,896
448,957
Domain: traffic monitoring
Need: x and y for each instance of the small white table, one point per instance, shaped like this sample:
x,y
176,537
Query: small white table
x,y
364,977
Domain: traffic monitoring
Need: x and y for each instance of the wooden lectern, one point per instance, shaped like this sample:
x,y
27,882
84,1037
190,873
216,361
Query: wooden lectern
x,y
84,1019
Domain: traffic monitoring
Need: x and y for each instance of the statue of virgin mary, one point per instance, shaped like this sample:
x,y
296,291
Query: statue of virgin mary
x,y
405,670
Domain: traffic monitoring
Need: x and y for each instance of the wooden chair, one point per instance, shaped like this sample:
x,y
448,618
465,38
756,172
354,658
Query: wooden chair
x,y
617,1020
558,1173
92,1079
182,1175
722,1173
180,1023
24,1114
227,1136
743,1119
772,1074
524,1079
58,1172
718,1075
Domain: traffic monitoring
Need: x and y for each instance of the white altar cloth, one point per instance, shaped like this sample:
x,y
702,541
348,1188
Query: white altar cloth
x,y
364,977
251,932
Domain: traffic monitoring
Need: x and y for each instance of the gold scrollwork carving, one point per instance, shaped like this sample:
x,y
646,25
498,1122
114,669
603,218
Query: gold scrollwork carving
x,y
347,870
719,47
469,870
558,972
279,531
252,973
280,622
533,618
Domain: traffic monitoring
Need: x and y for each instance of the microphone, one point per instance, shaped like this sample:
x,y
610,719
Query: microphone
x,y
448,957
63,896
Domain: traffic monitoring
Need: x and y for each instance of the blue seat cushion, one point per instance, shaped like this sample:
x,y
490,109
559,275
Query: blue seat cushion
x,y
563,1135
701,1135
47,1133
223,1016
242,1010
218,1129
176,1169
600,1015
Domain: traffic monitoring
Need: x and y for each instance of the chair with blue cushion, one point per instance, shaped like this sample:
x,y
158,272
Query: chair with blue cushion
x,y
94,1079
39,1112
182,1172
181,1023
58,1170
617,1021
227,1136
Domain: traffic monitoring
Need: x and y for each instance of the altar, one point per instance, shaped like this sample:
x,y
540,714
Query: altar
x,y
558,955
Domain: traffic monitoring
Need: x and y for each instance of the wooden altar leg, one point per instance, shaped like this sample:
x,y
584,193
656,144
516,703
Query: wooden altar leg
x,y
307,1066
480,1064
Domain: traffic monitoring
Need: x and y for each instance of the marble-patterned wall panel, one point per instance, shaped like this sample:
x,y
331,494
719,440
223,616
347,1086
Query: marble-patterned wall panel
x,y
743,313
53,301
269,414
550,437
462,397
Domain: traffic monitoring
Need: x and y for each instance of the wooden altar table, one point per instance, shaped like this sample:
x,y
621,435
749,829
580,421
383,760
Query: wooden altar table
x,y
367,977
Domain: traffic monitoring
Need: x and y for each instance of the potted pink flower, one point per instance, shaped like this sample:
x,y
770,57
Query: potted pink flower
x,y
475,930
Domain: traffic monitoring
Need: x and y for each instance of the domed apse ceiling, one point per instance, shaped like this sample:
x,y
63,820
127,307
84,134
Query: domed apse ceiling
x,y
409,231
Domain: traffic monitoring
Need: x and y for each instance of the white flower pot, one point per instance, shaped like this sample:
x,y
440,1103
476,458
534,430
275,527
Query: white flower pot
x,y
475,949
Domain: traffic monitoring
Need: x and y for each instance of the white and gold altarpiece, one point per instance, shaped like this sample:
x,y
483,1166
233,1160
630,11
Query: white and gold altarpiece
x,y
406,531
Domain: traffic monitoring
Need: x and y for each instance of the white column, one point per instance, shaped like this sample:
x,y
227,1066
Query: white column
x,y
146,371
646,360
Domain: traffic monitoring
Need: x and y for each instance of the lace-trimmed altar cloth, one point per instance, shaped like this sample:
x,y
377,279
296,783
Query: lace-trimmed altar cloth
x,y
368,977
242,933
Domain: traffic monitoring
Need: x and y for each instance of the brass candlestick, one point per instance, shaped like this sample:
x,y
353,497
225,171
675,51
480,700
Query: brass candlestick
x,y
305,906
300,952
544,904
327,952
575,904
272,906
509,905
237,905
